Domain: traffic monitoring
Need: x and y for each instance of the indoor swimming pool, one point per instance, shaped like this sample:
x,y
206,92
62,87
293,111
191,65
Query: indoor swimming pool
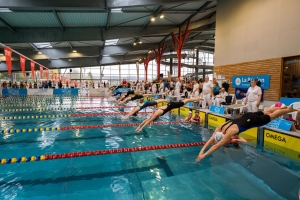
x,y
244,172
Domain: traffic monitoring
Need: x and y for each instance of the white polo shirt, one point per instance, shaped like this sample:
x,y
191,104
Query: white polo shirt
x,y
177,86
195,87
253,93
223,94
207,87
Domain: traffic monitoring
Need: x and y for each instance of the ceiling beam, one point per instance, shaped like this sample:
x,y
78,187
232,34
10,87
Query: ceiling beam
x,y
50,4
58,20
108,18
7,24
195,13
30,35
57,53
157,11
86,4
131,3
33,46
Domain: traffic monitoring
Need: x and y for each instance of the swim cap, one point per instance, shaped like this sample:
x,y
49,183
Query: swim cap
x,y
219,136
190,112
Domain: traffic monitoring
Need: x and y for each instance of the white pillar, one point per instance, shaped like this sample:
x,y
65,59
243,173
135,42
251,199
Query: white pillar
x,y
120,74
138,70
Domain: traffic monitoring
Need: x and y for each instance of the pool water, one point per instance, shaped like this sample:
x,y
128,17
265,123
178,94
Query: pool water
x,y
230,173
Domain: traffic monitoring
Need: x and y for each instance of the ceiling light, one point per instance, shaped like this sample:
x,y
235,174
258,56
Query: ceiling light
x,y
40,53
1,54
140,59
149,51
152,19
140,42
161,16
74,51
69,59
134,43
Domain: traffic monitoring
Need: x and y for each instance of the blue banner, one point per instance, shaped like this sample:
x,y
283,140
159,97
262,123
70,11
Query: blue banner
x,y
190,104
217,109
240,93
14,91
73,91
288,101
280,124
243,81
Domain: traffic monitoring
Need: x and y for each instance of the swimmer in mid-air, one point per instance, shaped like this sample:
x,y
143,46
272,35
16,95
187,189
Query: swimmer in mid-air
x,y
234,127
163,110
135,97
129,92
144,105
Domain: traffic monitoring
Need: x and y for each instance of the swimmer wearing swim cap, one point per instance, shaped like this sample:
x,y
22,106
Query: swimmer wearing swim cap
x,y
232,128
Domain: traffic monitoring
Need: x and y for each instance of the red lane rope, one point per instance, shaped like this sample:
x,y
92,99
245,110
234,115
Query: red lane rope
x,y
111,125
104,114
122,150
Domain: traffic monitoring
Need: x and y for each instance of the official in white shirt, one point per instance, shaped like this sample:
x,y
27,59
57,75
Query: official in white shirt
x,y
220,97
154,88
161,87
195,89
177,87
207,92
253,96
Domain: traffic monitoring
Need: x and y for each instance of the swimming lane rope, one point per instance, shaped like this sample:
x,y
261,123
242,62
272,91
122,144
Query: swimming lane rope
x,y
96,153
67,115
11,131
77,108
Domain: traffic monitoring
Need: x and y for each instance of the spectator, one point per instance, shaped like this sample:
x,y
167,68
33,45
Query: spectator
x,y
225,85
220,97
216,88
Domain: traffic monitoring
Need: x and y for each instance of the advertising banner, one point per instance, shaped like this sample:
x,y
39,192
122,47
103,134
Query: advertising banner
x,y
14,91
280,124
282,140
217,109
40,91
243,81
69,91
215,121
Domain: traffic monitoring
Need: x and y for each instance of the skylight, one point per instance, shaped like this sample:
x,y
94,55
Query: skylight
x,y
43,45
111,42
116,10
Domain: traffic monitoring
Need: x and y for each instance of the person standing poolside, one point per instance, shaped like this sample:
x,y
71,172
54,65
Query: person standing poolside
x,y
234,127
253,96
207,92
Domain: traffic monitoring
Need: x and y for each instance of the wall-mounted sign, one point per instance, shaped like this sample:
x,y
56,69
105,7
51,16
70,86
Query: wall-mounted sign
x,y
244,81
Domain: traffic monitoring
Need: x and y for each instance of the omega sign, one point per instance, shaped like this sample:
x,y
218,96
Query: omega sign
x,y
276,137
213,118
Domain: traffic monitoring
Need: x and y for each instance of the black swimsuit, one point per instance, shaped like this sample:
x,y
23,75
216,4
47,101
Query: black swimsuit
x,y
172,105
137,96
129,93
248,120
148,103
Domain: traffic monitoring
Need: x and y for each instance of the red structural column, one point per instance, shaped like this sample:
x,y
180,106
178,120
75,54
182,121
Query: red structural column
x,y
158,55
146,62
178,44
